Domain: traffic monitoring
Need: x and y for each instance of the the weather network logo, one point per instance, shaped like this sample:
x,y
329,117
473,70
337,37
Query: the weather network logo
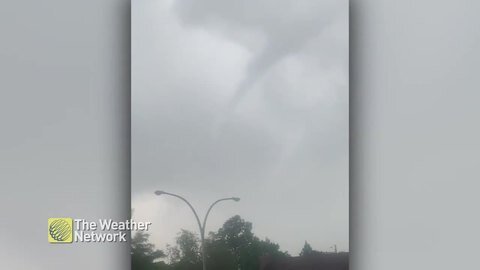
x,y
60,230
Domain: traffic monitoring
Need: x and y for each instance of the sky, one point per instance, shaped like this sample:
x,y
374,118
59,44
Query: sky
x,y
248,99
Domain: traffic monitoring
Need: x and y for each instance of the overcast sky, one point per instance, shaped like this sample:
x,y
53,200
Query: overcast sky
x,y
242,98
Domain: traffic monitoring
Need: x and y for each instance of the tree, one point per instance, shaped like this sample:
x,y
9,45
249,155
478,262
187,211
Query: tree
x,y
245,248
236,233
144,254
306,250
186,254
218,255
188,244
173,254
234,246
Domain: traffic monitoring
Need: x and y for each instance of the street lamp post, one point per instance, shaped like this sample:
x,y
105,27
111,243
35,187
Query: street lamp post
x,y
201,226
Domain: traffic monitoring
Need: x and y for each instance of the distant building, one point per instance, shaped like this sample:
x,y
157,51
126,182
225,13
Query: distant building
x,y
316,261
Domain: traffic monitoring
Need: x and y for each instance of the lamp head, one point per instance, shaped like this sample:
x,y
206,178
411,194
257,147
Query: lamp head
x,y
236,199
159,192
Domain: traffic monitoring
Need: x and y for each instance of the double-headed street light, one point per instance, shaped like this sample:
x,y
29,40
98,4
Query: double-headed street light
x,y
201,226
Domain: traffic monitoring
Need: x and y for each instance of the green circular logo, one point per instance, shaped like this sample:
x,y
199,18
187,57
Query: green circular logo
x,y
59,230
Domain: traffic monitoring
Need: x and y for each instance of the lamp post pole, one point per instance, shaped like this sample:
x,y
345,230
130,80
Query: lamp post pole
x,y
201,226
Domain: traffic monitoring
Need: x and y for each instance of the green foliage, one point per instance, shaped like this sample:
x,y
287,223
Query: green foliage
x,y
241,248
173,254
144,253
188,244
186,255
234,246
218,255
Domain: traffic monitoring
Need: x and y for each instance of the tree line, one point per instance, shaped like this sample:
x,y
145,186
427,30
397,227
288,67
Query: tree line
x,y
234,246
